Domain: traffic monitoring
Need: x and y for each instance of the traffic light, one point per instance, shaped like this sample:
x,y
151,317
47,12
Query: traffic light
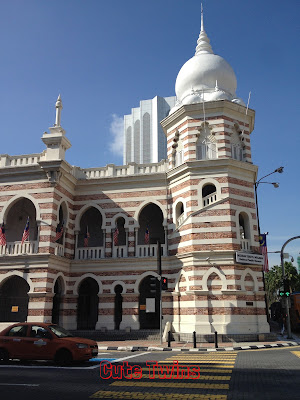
x,y
164,283
153,284
286,287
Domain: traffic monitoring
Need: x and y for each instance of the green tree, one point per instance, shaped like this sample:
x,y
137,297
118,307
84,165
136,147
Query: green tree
x,y
274,279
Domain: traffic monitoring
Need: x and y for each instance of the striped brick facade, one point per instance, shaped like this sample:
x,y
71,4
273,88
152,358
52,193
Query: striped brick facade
x,y
200,232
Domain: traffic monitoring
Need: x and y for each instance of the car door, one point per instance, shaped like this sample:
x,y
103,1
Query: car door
x,y
39,343
14,341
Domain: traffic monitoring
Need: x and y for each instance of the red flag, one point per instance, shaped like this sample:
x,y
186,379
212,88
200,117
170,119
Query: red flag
x,y
147,235
59,231
264,251
2,236
116,236
86,238
26,232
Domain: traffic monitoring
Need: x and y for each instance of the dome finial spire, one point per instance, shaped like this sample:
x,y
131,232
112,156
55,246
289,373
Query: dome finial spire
x,y
58,107
203,45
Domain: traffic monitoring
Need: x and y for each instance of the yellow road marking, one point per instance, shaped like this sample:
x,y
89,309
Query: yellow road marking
x,y
231,363
211,370
202,377
103,394
164,384
297,353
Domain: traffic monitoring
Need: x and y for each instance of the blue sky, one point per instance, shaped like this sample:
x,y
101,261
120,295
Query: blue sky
x,y
106,56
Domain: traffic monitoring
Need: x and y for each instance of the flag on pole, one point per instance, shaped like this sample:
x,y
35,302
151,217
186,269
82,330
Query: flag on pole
x,y
116,235
147,235
26,232
264,251
86,237
59,231
2,235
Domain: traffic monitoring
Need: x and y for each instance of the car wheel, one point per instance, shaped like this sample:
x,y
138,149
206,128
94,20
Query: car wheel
x,y
63,357
4,357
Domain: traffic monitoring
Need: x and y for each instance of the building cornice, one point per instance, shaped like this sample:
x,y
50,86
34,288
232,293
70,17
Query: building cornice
x,y
211,107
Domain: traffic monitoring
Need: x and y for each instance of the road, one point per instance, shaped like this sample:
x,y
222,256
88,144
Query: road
x,y
239,375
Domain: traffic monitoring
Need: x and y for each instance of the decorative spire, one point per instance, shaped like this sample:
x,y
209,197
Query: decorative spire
x,y
202,24
203,44
59,107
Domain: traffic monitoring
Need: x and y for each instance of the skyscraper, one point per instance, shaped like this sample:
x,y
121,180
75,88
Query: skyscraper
x,y
144,139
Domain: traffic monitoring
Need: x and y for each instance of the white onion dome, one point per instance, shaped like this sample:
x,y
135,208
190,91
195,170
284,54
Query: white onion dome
x,y
205,77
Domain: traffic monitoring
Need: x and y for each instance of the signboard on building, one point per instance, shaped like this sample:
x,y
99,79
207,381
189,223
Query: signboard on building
x,y
150,305
249,258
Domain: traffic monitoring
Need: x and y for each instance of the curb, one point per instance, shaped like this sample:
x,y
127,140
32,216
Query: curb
x,y
151,348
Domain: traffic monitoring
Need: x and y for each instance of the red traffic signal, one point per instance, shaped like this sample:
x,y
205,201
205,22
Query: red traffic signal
x,y
164,283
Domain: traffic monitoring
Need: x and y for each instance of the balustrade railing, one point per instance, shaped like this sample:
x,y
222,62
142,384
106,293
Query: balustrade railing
x,y
150,250
16,248
209,199
120,251
245,245
59,250
180,219
89,253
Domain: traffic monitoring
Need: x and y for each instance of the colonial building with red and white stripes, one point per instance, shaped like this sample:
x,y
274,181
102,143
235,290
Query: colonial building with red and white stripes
x,y
92,247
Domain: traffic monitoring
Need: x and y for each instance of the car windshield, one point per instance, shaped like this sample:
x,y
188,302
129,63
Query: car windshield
x,y
59,331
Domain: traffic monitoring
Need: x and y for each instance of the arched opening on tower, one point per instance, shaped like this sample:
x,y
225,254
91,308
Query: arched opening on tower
x,y
14,300
149,304
88,300
179,211
118,306
16,221
91,233
151,218
57,300
209,194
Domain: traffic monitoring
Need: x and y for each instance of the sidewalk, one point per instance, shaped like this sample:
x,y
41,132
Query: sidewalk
x,y
154,345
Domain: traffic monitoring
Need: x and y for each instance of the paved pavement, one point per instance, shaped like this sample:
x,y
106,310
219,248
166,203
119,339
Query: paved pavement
x,y
152,345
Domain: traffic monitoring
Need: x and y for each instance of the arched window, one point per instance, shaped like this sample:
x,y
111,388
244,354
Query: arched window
x,y
136,144
206,150
206,145
91,233
244,231
128,144
209,194
236,143
237,152
146,138
179,156
179,211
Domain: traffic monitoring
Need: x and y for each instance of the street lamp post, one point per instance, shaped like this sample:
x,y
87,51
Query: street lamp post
x,y
276,185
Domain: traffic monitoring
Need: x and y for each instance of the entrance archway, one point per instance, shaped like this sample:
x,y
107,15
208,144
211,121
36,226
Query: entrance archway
x,y
14,300
148,304
87,312
58,291
118,306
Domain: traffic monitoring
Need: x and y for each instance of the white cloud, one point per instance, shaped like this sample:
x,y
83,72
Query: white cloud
x,y
117,131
